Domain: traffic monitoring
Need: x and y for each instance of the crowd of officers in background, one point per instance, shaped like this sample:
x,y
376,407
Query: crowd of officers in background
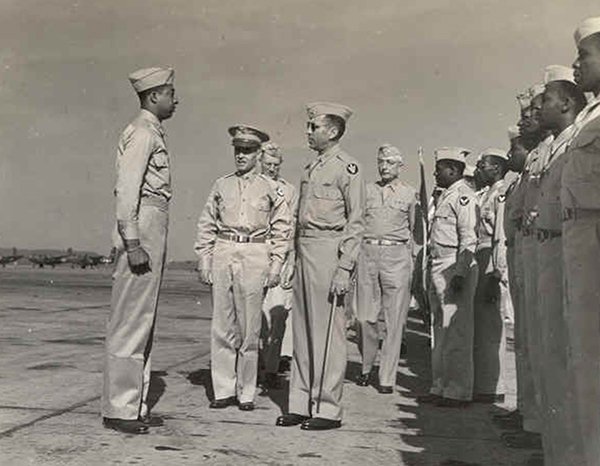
x,y
531,239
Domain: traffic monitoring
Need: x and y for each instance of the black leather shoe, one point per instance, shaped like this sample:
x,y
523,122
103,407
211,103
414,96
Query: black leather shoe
x,y
430,398
488,398
510,421
522,440
386,389
152,421
319,423
290,419
363,380
223,403
535,460
248,406
126,426
451,403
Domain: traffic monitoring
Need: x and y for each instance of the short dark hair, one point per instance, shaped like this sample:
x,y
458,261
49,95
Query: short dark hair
x,y
339,123
143,96
569,90
455,164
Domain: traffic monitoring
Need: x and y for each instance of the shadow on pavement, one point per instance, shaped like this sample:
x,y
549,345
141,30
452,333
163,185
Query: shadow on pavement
x,y
157,387
203,378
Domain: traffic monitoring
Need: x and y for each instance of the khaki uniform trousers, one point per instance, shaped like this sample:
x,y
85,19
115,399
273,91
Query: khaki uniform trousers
x,y
276,308
581,248
452,313
239,274
383,284
317,260
560,445
529,259
130,328
525,389
489,348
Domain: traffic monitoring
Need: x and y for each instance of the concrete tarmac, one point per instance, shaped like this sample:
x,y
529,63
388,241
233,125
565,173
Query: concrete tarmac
x,y
51,347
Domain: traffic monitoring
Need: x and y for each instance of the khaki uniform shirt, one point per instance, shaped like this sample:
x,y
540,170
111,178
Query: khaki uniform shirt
x,y
581,174
143,170
251,205
490,228
549,207
534,166
332,196
290,195
454,225
390,211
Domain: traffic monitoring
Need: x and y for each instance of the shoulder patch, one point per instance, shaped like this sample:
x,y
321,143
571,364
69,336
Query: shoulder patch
x,y
501,197
464,200
352,168
279,191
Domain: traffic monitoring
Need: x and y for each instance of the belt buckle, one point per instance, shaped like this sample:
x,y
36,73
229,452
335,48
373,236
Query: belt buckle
x,y
240,239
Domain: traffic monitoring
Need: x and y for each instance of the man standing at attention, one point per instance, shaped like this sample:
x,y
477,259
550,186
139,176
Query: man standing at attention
x,y
489,346
385,267
453,280
242,240
580,199
329,231
143,191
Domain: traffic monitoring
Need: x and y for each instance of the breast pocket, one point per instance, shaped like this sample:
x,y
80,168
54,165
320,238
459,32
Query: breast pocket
x,y
329,203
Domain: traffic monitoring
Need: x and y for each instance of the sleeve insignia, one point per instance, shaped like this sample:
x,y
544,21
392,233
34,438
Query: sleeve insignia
x,y
464,200
279,191
501,198
352,168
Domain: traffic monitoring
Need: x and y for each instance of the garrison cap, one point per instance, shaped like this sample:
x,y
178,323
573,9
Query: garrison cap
x,y
147,78
390,151
247,136
524,99
558,73
587,27
458,154
536,89
272,149
513,132
327,108
495,152
469,170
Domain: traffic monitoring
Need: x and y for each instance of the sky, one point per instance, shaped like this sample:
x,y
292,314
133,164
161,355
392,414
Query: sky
x,y
429,73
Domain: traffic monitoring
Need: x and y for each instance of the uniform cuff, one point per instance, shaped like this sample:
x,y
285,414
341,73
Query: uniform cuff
x,y
346,265
128,230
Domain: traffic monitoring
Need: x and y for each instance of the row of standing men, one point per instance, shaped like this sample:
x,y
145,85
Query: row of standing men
x,y
330,227
550,214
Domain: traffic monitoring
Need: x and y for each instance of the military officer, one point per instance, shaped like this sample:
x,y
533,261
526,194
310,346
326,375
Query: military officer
x,y
562,102
143,191
453,280
242,240
384,267
531,133
489,341
329,231
278,302
580,199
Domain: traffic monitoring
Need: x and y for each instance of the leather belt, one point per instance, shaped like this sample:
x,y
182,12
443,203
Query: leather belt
x,y
574,214
545,235
384,242
312,233
241,238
